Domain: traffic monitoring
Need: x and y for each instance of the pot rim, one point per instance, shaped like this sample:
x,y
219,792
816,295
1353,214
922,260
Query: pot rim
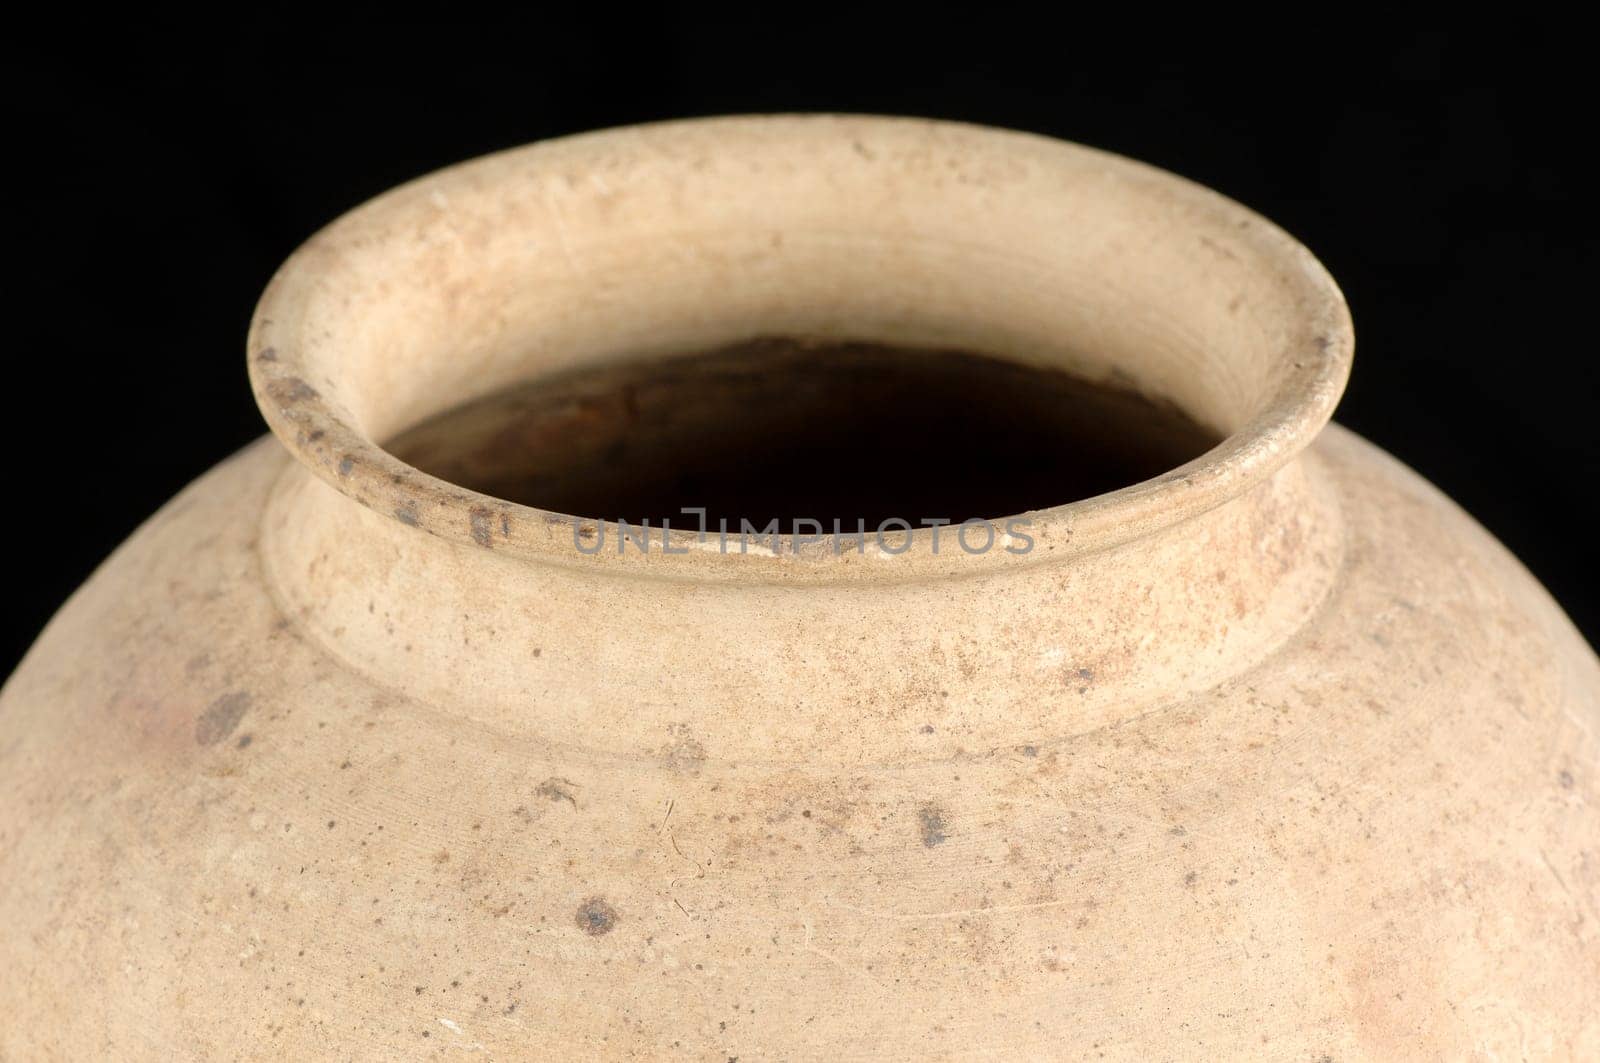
x,y
295,375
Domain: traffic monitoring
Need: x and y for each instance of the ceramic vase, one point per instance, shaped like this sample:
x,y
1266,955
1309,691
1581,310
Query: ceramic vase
x,y
1272,753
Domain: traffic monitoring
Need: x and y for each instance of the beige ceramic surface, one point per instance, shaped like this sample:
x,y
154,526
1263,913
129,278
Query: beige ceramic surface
x,y
1276,756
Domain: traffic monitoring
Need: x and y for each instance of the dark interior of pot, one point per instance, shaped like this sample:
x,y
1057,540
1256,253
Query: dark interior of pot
x,y
790,430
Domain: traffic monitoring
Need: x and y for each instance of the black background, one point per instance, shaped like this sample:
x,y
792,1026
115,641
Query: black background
x,y
160,171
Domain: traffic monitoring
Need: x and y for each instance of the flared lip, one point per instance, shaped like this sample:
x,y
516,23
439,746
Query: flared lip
x,y
285,370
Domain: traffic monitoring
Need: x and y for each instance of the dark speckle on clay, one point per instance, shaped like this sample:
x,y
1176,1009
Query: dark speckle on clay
x,y
480,520
291,390
596,917
557,790
221,717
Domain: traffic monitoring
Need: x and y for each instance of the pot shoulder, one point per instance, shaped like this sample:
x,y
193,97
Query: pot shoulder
x,y
217,840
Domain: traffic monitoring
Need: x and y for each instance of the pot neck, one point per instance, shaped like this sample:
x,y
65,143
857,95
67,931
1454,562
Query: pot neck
x,y
608,662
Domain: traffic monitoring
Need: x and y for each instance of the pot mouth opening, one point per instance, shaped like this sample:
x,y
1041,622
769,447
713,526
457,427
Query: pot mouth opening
x,y
802,320
817,439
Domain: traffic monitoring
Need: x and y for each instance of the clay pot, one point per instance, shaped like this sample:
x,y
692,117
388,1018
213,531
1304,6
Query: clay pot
x,y
1273,753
